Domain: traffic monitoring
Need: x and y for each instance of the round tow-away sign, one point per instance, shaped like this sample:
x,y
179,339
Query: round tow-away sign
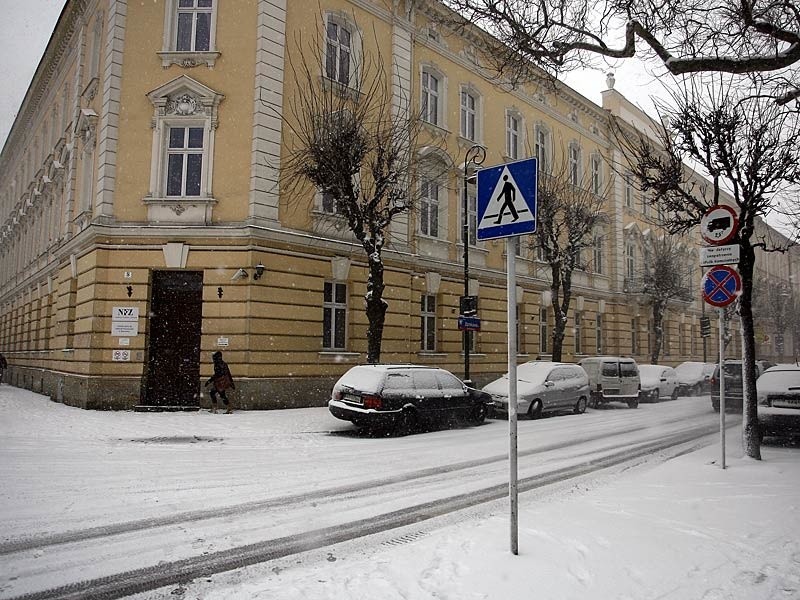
x,y
721,286
719,225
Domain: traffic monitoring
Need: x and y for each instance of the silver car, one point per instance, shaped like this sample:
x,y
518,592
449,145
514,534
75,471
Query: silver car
x,y
543,386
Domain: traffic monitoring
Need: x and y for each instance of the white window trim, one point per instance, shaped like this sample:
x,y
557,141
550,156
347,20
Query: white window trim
x,y
596,169
425,315
576,159
472,91
441,113
170,56
441,201
515,114
548,146
343,20
333,305
183,102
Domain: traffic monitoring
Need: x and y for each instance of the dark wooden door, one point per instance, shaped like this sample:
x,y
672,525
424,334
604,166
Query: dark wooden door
x,y
176,316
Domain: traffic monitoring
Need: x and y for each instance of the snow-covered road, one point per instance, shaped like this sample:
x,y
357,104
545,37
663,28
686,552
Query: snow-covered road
x,y
90,495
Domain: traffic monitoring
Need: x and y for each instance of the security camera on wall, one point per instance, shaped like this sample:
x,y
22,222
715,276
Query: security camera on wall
x,y
240,274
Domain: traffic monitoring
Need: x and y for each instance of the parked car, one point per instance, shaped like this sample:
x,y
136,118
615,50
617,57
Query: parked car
x,y
402,396
612,378
779,401
542,386
694,378
659,382
733,383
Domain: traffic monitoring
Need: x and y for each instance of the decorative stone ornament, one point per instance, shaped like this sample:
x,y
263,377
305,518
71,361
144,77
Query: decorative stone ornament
x,y
182,105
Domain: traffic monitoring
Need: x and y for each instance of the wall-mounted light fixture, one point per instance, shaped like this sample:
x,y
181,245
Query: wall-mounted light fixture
x,y
259,271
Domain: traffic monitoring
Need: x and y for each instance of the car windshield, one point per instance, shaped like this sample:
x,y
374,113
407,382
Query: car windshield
x,y
733,370
651,371
690,370
627,369
533,372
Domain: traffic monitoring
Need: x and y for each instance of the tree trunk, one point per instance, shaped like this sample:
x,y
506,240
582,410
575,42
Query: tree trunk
x,y
375,307
750,441
658,331
561,304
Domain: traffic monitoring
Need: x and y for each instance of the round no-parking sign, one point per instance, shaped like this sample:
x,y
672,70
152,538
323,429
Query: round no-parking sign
x,y
721,286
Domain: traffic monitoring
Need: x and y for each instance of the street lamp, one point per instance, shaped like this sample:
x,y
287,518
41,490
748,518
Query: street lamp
x,y
475,155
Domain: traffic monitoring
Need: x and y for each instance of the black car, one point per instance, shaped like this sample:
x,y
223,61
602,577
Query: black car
x,y
733,384
402,396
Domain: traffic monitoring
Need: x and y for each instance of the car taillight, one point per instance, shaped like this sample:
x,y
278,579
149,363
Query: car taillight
x,y
371,401
714,381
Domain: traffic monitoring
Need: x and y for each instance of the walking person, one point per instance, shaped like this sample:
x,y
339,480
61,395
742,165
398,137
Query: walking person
x,y
3,366
220,381
509,195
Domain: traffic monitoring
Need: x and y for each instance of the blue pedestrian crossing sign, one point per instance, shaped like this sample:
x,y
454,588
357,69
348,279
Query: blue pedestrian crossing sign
x,y
507,200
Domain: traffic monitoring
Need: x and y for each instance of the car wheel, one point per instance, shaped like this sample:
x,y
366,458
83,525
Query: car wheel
x,y
697,390
580,406
535,409
674,395
633,403
479,413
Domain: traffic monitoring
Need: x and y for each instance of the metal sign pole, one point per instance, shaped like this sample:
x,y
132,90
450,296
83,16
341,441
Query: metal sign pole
x,y
722,385
512,390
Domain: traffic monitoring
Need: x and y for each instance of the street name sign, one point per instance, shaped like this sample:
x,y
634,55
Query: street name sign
x,y
469,323
507,200
721,286
719,255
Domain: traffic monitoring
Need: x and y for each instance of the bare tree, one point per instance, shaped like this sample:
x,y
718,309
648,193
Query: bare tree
x,y
750,147
684,36
569,212
350,133
665,277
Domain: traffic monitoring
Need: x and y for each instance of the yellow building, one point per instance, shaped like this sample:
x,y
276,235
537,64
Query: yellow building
x,y
143,223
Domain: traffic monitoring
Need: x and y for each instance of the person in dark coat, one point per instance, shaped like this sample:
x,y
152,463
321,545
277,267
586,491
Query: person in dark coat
x,y
3,366
220,381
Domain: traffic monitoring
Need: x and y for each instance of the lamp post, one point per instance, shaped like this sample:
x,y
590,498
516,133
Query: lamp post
x,y
475,155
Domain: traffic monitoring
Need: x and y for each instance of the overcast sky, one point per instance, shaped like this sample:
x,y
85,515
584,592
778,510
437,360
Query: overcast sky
x,y
24,32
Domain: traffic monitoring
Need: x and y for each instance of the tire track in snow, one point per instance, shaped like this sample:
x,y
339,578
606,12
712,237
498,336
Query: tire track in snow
x,y
69,537
180,571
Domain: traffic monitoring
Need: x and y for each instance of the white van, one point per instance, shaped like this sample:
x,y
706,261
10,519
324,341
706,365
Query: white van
x,y
612,379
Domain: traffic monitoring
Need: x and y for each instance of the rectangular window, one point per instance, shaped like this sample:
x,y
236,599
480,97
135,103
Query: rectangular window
x,y
574,164
337,53
597,182
543,330
634,336
428,322
578,333
630,261
334,316
185,161
629,190
665,337
472,215
194,26
468,115
429,208
329,204
597,254
598,334
519,247
519,330
512,136
541,139
430,98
